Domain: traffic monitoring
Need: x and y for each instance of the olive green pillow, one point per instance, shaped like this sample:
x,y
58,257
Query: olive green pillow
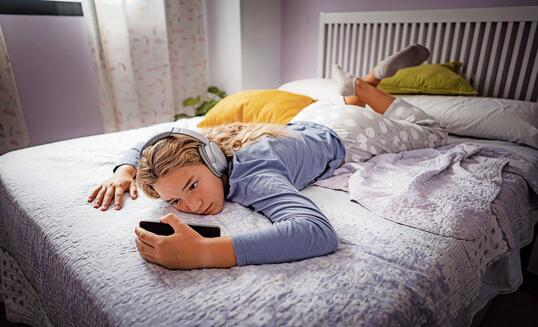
x,y
442,79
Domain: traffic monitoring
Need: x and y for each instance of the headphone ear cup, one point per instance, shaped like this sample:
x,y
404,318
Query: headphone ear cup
x,y
207,160
220,159
214,158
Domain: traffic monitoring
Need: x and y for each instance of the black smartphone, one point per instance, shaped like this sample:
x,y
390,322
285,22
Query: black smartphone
x,y
165,229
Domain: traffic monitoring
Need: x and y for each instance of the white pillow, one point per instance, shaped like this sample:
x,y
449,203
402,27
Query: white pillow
x,y
317,88
489,118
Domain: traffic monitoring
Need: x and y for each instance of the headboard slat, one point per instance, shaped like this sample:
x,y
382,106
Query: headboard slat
x,y
421,33
454,52
351,61
341,32
365,53
445,54
437,43
520,91
347,42
503,65
532,78
465,49
512,70
493,58
483,57
497,46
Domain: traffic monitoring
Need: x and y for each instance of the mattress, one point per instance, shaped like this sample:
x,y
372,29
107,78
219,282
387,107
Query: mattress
x,y
66,263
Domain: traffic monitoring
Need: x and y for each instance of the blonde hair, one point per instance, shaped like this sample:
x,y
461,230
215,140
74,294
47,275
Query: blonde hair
x,y
178,150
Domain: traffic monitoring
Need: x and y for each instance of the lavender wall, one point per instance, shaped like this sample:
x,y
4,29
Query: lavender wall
x,y
52,67
300,24
52,64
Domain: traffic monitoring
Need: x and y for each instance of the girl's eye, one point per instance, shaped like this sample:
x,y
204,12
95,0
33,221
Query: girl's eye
x,y
193,186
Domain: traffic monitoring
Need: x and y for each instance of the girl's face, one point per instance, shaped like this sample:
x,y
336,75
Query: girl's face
x,y
192,189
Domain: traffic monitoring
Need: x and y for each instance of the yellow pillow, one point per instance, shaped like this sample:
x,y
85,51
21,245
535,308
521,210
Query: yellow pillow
x,y
440,79
256,106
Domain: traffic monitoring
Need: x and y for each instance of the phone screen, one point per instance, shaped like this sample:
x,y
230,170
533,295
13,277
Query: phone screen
x,y
165,229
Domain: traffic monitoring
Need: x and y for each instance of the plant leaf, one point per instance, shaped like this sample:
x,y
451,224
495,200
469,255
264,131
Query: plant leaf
x,y
181,116
192,101
199,109
205,107
215,90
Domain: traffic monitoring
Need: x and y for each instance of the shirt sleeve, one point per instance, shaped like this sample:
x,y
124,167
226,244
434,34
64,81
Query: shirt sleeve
x,y
299,229
131,157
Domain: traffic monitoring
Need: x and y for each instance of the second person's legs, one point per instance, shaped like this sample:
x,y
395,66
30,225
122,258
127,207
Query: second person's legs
x,y
393,126
353,99
351,88
366,93
370,95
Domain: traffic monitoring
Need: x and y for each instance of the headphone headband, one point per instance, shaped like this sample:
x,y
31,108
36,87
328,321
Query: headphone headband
x,y
210,152
176,130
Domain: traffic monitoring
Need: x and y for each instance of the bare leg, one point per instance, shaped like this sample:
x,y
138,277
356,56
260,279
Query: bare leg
x,y
372,96
355,100
371,79
411,56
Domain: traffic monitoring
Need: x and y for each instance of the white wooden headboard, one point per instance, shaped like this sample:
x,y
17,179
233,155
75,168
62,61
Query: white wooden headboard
x,y
497,46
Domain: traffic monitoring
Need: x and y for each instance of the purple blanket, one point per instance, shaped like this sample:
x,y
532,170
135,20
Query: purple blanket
x,y
446,191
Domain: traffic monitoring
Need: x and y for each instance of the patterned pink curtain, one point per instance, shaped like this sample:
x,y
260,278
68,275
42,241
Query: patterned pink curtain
x,y
13,131
149,55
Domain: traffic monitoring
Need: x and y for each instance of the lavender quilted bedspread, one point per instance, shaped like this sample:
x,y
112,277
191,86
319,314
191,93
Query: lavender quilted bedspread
x,y
79,267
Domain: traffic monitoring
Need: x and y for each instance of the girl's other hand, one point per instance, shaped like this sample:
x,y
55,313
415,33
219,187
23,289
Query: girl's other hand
x,y
113,188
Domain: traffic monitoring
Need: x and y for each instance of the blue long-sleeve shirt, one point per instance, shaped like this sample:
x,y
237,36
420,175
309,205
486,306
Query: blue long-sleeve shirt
x,y
267,176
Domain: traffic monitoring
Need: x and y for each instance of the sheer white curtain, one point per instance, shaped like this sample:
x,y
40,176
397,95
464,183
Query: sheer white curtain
x,y
13,130
149,55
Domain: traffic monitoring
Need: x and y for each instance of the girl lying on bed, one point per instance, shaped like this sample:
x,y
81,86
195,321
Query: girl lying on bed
x,y
263,166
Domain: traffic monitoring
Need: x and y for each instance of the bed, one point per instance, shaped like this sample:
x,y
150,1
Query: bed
x,y
64,263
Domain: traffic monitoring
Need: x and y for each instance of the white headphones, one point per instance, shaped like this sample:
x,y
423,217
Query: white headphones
x,y
210,152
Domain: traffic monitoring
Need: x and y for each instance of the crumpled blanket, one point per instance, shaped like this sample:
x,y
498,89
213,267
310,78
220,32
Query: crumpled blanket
x,y
446,191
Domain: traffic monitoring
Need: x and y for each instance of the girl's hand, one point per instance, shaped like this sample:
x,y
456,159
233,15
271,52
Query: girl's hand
x,y
113,188
185,249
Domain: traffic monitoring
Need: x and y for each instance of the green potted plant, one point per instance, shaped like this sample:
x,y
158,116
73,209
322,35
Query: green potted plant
x,y
203,103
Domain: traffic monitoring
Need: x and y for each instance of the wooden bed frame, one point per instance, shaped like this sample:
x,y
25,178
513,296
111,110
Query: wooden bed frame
x,y
497,46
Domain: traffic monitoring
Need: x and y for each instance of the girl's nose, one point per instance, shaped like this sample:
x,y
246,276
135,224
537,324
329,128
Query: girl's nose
x,y
194,205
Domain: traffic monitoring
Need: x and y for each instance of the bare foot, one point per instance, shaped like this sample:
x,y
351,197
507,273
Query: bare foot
x,y
353,100
356,100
